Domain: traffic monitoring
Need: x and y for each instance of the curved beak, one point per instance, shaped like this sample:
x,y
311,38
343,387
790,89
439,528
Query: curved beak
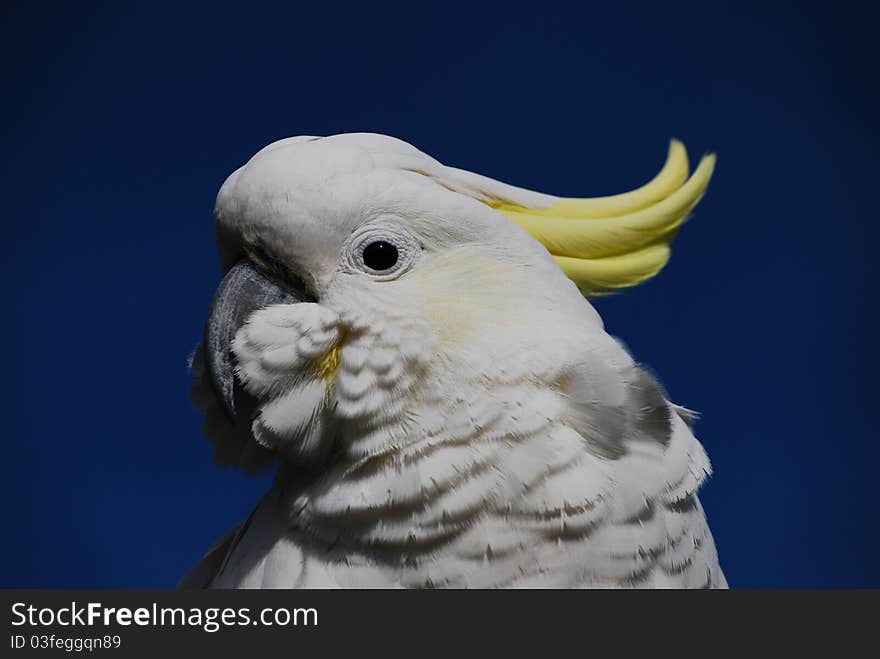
x,y
243,290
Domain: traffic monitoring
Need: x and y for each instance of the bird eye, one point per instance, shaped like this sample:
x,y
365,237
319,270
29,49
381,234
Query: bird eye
x,y
380,255
382,251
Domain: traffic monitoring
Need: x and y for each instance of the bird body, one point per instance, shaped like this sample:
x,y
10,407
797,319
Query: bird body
x,y
446,407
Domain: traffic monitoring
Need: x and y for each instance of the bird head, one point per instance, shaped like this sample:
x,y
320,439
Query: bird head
x,y
356,266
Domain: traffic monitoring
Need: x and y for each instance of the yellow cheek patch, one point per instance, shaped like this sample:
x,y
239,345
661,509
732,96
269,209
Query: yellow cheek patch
x,y
607,243
327,365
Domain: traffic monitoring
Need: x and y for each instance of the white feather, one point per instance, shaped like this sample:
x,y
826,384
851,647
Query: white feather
x,y
481,428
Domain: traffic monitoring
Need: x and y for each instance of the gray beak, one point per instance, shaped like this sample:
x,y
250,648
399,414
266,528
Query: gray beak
x,y
243,290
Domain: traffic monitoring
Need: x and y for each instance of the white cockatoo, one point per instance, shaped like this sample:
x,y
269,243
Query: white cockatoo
x,y
412,344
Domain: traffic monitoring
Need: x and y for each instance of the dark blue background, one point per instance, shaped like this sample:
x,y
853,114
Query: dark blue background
x,y
119,124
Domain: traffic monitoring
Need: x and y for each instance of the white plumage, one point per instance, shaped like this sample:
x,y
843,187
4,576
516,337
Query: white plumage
x,y
461,419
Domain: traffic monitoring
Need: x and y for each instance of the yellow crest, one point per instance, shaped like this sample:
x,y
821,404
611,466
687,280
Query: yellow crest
x,y
608,243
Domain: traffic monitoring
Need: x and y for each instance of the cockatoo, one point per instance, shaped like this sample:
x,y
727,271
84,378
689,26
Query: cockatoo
x,y
413,345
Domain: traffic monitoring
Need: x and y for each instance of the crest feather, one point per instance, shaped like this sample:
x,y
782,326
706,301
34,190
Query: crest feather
x,y
605,243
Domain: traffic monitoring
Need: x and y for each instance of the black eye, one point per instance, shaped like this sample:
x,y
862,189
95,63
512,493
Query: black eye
x,y
380,255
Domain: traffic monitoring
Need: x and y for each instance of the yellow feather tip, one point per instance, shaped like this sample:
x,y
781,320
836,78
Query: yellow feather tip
x,y
327,365
613,242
